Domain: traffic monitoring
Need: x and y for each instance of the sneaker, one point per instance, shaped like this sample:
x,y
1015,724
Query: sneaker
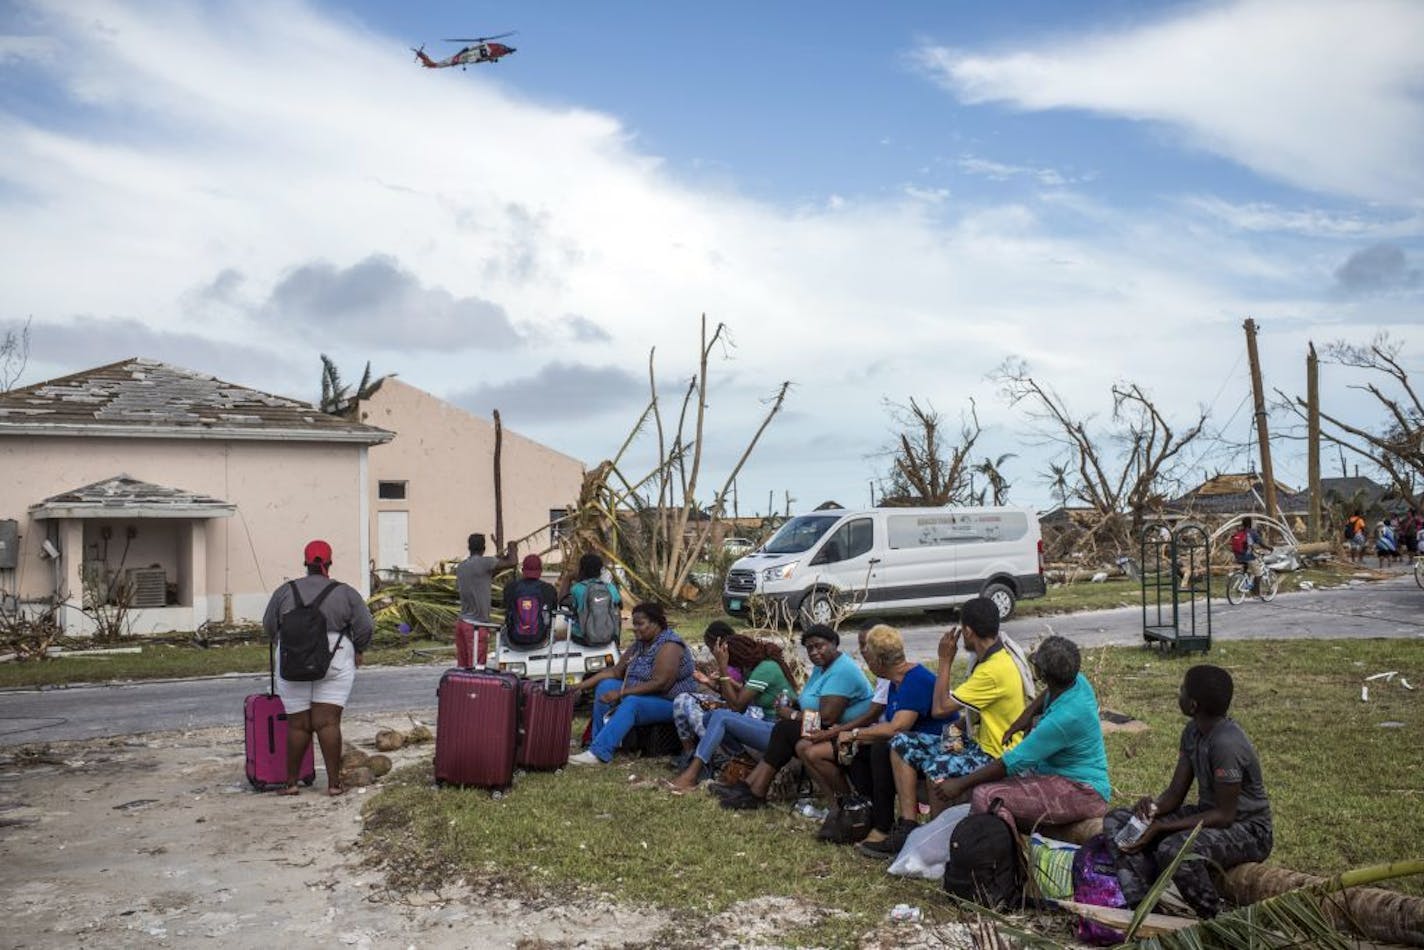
x,y
744,801
585,758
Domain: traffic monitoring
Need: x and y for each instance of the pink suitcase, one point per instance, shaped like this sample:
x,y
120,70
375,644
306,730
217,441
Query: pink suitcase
x,y
266,721
476,728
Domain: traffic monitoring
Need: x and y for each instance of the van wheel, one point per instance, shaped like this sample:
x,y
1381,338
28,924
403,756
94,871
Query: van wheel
x,y
1003,598
818,607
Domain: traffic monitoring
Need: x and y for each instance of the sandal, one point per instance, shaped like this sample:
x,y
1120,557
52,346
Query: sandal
x,y
288,790
668,786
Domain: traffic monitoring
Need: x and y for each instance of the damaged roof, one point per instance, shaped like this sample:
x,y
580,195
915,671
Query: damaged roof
x,y
124,496
143,397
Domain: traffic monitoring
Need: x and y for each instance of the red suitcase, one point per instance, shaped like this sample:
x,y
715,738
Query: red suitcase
x,y
547,719
476,728
266,721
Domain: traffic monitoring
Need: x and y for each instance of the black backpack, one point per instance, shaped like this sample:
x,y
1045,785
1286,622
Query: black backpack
x,y
306,656
985,865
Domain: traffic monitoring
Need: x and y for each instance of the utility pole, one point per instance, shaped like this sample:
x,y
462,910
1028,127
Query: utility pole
x,y
1263,435
1312,415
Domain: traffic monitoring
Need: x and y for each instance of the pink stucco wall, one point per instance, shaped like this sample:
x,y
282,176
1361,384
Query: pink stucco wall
x,y
446,457
285,493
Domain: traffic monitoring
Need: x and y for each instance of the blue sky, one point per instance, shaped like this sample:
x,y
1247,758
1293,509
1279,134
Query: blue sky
x,y
881,203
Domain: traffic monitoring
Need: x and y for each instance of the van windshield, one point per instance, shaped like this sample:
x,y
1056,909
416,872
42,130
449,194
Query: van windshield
x,y
799,534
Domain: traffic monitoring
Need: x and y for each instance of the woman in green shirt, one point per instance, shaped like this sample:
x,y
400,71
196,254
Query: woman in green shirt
x,y
749,712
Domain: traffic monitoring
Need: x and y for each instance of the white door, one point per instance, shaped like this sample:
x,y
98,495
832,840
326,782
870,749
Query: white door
x,y
392,539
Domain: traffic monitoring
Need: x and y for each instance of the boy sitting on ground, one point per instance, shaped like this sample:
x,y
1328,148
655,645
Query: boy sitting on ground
x,y
1232,806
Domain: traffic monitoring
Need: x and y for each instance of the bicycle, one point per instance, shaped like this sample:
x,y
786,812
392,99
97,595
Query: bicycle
x,y
1419,569
1239,585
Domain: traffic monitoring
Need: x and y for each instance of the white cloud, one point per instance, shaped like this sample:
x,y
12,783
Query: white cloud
x,y
1002,171
1314,222
222,147
1323,95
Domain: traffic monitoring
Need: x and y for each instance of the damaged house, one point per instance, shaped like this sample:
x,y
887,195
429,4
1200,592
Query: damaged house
x,y
186,497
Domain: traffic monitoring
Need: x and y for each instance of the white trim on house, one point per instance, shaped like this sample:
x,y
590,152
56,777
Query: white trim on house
x,y
374,437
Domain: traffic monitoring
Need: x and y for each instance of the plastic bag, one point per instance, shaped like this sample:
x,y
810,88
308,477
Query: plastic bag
x,y
926,851
1052,866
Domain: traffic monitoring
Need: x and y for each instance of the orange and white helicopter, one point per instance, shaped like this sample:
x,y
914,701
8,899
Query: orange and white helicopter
x,y
482,49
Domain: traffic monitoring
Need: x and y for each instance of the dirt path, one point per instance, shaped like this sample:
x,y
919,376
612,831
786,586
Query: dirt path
x,y
157,841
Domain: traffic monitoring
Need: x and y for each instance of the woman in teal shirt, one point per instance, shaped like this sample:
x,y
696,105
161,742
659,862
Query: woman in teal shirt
x,y
1058,774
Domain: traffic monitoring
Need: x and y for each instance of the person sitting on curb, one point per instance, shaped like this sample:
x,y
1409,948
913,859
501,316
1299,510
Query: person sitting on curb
x,y
639,689
994,689
836,690
1232,806
749,708
1058,773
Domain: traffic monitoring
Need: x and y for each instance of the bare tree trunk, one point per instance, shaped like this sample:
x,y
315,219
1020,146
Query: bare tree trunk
x,y
498,486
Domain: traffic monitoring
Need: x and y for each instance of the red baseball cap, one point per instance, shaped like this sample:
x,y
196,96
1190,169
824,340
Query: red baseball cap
x,y
317,553
532,566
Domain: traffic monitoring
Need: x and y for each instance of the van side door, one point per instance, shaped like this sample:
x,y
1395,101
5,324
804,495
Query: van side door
x,y
844,559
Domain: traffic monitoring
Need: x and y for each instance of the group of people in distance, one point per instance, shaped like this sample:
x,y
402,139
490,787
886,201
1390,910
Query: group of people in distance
x,y
1018,736
1394,538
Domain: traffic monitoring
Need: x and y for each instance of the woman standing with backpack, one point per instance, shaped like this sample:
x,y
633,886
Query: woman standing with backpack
x,y
309,619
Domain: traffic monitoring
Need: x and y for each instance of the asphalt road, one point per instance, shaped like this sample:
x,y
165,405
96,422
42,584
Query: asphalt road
x,y
1391,609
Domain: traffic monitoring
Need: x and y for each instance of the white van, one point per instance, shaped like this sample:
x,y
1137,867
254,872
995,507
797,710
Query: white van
x,y
885,559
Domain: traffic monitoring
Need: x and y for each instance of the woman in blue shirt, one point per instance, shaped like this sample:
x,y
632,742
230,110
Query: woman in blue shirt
x,y
908,708
1058,774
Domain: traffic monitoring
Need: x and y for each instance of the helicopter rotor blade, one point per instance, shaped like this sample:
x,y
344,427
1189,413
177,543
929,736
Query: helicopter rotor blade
x,y
477,39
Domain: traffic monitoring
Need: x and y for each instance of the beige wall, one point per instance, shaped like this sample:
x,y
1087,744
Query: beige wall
x,y
285,493
446,457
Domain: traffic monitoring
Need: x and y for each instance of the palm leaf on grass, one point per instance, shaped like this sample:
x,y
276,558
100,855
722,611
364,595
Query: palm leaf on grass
x,y
1154,893
1302,917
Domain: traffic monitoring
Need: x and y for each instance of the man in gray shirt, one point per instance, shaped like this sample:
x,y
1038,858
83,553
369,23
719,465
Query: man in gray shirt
x,y
473,578
1232,807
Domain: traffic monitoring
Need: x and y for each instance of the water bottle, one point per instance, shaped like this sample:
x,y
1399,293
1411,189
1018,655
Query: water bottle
x,y
1135,828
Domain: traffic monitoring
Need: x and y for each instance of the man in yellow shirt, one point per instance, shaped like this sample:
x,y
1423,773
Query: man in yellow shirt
x,y
994,689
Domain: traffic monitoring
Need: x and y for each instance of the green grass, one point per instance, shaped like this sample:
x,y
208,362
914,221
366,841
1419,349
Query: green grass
x,y
1345,793
165,660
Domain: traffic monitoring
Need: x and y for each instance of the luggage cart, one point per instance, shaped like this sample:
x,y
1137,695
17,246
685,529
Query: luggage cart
x,y
1176,568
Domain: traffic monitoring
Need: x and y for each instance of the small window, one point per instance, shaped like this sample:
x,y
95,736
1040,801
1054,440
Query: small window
x,y
557,524
851,540
393,491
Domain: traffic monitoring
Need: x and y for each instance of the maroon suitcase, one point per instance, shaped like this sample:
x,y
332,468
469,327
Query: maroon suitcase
x,y
546,718
265,719
546,726
476,728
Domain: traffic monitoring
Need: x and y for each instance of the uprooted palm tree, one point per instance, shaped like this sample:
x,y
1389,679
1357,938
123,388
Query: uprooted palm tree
x,y
657,527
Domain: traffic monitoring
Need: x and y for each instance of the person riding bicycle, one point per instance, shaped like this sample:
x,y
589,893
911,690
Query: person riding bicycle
x,y
1244,545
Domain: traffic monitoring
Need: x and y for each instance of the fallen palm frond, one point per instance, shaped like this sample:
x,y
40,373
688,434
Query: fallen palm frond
x,y
1159,886
428,607
1311,916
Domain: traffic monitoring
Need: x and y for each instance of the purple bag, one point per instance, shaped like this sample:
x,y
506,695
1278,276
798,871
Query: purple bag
x,y
1095,882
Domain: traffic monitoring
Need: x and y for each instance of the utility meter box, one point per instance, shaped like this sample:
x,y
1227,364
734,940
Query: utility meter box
x,y
9,544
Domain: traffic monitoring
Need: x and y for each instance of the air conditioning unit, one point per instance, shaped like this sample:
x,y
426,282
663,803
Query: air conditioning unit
x,y
147,586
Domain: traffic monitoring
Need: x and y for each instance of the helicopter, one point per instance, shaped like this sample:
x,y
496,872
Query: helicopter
x,y
482,49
